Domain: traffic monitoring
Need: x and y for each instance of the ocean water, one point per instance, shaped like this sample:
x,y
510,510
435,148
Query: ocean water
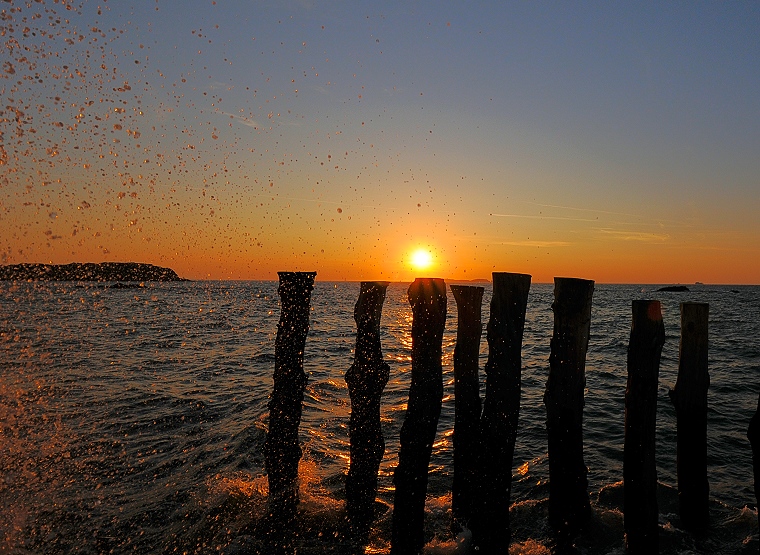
x,y
133,420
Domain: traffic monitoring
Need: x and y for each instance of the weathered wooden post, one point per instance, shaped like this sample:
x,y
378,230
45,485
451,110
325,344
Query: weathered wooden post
x,y
689,398
428,299
491,531
753,434
282,450
639,470
569,506
466,403
366,380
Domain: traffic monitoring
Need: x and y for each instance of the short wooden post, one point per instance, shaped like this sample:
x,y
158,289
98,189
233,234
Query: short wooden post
x,y
466,403
639,470
569,506
689,398
753,434
282,450
491,531
366,380
428,299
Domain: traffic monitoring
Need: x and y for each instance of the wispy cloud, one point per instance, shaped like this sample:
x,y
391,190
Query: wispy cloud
x,y
578,209
542,217
628,235
642,220
240,119
538,244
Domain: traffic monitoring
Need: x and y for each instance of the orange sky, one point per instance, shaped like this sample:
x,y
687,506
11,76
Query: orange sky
x,y
232,143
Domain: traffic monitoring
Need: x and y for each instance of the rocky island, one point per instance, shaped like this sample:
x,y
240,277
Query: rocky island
x,y
675,288
104,271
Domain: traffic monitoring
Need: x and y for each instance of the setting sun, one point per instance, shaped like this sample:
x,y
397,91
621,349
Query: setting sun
x,y
421,259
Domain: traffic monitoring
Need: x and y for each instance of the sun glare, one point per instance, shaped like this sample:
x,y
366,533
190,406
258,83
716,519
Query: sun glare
x,y
421,259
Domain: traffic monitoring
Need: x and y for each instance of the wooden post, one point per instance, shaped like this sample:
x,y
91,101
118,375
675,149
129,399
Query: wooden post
x,y
466,403
428,299
753,434
689,398
639,469
569,506
282,450
366,380
491,531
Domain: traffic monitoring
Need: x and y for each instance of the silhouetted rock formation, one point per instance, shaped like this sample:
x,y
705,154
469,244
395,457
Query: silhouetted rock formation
x,y
675,288
105,271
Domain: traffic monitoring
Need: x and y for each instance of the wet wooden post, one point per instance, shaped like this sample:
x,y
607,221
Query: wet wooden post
x,y
569,506
689,398
639,469
366,380
753,434
282,450
491,531
428,299
464,493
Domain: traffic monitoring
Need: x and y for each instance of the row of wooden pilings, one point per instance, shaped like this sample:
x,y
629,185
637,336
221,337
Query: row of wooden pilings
x,y
484,437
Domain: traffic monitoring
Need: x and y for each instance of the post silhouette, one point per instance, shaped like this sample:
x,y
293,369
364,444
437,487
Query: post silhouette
x,y
639,469
569,505
753,434
366,379
428,299
282,450
689,398
466,403
491,531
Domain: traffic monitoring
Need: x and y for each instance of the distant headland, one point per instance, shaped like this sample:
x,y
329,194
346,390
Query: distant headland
x,y
675,288
104,271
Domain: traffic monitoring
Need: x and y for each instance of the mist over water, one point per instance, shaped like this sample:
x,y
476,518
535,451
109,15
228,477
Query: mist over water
x,y
133,420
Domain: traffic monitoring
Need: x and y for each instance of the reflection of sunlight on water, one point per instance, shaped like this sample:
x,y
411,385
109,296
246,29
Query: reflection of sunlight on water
x,y
530,547
240,486
122,417
315,497
34,455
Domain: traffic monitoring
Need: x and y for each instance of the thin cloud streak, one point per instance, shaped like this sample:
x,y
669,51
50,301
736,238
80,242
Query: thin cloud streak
x,y
594,220
245,121
626,235
584,209
539,244
542,217
594,210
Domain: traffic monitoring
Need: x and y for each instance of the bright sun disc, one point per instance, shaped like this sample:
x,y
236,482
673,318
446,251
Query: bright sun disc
x,y
421,259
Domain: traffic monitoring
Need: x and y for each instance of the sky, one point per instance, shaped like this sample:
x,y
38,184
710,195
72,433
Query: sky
x,y
233,139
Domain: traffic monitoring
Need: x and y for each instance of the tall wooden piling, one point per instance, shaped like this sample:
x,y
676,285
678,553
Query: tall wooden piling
x,y
689,398
753,434
569,506
491,531
282,450
466,403
366,379
639,469
428,299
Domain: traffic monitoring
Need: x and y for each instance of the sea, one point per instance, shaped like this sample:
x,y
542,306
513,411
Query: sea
x,y
133,419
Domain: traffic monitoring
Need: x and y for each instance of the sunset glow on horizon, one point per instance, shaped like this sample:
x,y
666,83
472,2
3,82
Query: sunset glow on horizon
x,y
231,141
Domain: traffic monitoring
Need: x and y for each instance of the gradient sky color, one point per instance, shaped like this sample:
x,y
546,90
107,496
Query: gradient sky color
x,y
231,139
